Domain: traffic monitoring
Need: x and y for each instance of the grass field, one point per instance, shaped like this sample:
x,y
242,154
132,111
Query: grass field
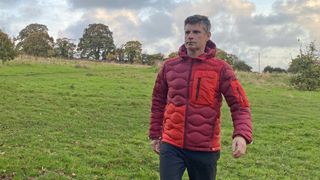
x,y
84,120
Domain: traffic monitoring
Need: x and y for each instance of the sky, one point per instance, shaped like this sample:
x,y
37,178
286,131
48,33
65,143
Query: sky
x,y
275,29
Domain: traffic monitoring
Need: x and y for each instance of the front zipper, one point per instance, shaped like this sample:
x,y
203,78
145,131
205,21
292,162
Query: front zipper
x,y
213,126
198,88
187,104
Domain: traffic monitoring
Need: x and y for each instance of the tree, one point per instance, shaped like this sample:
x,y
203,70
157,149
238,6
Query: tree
x,y
230,58
173,54
306,69
38,44
234,61
132,52
7,51
64,48
28,30
119,53
279,70
268,69
96,42
111,57
305,59
35,40
241,66
152,59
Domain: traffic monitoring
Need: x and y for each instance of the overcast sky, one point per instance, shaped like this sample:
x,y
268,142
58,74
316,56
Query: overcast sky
x,y
241,27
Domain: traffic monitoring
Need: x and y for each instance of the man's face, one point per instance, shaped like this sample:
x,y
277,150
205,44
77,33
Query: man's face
x,y
196,37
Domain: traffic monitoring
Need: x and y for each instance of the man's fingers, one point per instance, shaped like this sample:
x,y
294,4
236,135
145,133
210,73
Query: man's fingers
x,y
234,146
238,149
156,151
238,146
235,150
157,148
237,153
155,144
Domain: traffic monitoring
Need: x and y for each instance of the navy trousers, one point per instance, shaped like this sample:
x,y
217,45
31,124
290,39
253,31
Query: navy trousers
x,y
174,161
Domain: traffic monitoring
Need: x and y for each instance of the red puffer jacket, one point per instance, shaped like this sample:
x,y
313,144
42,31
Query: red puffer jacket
x,y
187,98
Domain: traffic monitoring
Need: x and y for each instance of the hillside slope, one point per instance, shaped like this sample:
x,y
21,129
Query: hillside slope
x,y
74,119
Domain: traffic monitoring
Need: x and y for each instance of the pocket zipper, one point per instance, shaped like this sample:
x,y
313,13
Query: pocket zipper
x,y
198,88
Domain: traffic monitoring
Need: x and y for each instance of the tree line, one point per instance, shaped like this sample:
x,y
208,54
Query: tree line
x,y
96,43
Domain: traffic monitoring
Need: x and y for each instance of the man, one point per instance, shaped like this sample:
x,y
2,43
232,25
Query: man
x,y
186,105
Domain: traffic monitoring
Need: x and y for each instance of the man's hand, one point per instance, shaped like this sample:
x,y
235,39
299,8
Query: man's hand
x,y
239,146
155,144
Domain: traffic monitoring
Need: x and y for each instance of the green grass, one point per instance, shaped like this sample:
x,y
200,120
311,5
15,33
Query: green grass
x,y
84,120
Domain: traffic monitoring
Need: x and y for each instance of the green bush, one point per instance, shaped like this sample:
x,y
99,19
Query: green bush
x,y
234,61
7,51
306,69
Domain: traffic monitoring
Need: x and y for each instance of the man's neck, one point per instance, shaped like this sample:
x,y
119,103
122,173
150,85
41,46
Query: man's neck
x,y
194,54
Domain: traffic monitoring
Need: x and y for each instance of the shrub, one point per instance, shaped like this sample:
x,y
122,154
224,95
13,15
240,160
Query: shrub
x,y
7,51
306,69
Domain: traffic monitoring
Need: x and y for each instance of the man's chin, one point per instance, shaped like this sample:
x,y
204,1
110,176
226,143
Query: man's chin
x,y
191,48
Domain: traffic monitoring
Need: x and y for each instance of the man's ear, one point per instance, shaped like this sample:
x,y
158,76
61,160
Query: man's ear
x,y
209,35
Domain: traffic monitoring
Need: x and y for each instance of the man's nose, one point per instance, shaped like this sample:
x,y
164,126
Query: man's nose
x,y
190,36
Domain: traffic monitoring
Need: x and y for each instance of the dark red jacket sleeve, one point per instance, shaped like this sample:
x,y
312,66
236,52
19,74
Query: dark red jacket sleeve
x,y
238,103
159,101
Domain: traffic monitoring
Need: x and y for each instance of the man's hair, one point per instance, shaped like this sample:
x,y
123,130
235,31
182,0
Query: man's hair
x,y
198,19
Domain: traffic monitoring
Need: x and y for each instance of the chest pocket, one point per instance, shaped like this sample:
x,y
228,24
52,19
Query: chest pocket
x,y
203,87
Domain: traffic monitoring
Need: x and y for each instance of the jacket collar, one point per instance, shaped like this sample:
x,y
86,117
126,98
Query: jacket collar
x,y
209,52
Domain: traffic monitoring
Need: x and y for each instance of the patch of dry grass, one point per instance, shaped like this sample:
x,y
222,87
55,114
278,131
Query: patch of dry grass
x,y
265,79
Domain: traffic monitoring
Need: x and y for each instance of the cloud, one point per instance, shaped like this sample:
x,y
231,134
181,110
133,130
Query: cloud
x,y
123,24
126,25
55,14
30,11
272,19
269,35
244,32
123,4
237,26
75,31
9,3
156,27
109,4
304,13
239,7
14,13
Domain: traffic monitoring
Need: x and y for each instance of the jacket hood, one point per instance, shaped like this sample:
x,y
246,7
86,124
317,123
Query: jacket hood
x,y
209,52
